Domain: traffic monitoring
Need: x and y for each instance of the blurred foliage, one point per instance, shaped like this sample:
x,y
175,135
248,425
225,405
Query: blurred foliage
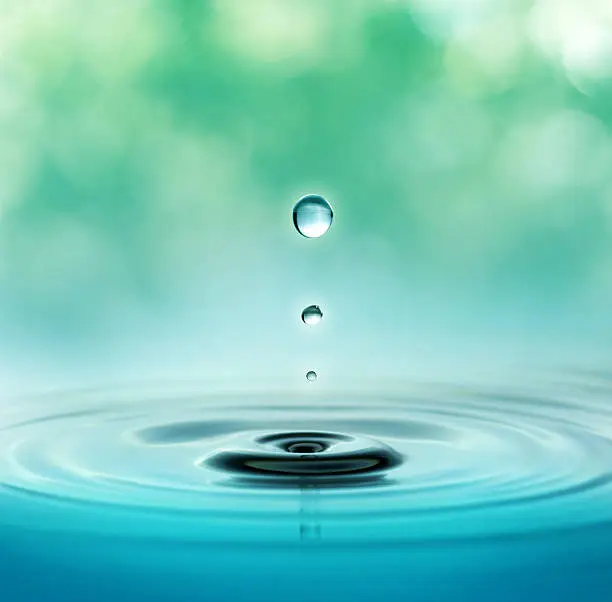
x,y
150,150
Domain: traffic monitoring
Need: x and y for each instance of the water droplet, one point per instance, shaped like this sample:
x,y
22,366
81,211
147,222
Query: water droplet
x,y
312,216
311,376
312,315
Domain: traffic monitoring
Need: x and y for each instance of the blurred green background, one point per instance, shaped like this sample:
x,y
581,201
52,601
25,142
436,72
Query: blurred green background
x,y
152,151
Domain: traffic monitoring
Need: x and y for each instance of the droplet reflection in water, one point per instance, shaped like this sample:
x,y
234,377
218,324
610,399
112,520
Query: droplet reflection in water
x,y
312,216
312,315
311,376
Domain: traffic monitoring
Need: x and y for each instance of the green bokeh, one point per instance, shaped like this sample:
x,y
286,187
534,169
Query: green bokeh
x,y
152,152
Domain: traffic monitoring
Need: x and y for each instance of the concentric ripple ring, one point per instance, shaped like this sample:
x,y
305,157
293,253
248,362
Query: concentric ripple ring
x,y
434,463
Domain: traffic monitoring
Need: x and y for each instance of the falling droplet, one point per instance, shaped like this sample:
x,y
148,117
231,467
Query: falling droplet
x,y
312,216
312,315
311,376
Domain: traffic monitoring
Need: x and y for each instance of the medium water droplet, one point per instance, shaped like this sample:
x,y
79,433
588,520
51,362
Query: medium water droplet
x,y
311,376
312,315
312,216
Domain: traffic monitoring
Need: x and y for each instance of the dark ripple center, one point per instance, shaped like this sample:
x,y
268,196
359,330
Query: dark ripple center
x,y
316,456
305,447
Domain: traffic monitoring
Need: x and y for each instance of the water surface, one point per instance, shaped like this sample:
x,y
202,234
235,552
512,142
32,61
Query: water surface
x,y
501,494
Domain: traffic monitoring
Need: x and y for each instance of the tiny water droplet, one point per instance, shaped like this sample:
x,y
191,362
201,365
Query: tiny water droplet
x,y
312,216
312,315
311,376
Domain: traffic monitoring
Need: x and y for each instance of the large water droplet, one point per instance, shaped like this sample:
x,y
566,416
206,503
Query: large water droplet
x,y
312,216
312,315
311,376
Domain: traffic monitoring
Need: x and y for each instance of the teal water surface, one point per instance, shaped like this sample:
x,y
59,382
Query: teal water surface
x,y
501,494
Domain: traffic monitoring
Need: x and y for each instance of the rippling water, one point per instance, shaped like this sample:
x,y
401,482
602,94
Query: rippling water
x,y
440,492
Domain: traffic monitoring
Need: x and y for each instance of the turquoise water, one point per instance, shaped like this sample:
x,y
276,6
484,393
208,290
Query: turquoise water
x,y
500,494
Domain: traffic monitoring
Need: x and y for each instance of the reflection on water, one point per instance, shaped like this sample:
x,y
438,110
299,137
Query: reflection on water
x,y
494,473
457,464
305,457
